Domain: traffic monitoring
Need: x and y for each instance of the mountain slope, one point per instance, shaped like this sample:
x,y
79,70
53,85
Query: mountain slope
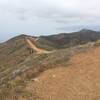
x,y
71,39
12,53
78,81
20,62
16,51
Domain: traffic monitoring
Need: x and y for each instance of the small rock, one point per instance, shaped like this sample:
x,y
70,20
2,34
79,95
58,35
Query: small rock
x,y
35,79
53,76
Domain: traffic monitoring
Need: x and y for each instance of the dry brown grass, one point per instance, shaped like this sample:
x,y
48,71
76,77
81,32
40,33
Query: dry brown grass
x,y
79,81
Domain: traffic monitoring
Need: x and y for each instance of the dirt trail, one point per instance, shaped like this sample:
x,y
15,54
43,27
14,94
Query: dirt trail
x,y
79,81
33,46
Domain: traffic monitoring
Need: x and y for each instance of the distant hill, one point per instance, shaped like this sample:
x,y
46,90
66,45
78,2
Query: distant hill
x,y
15,50
63,40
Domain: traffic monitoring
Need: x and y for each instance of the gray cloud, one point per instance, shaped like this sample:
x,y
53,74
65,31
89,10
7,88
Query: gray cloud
x,y
49,15
59,11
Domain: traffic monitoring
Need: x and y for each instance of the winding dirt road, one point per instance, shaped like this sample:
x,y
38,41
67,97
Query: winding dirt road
x,y
33,46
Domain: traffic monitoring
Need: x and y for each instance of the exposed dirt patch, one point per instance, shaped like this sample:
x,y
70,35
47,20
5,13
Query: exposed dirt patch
x,y
33,46
79,81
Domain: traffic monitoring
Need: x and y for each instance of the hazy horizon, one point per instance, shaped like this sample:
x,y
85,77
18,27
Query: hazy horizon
x,y
45,17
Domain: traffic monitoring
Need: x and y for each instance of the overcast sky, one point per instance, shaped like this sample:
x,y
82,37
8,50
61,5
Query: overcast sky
x,y
42,17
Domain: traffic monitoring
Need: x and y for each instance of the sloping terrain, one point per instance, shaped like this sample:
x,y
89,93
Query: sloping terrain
x,y
44,43
12,53
64,40
36,49
30,71
78,81
21,61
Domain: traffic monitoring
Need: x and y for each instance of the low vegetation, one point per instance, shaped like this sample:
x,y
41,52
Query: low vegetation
x,y
18,65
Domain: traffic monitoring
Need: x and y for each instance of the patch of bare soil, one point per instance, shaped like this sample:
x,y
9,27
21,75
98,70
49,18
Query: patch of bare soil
x,y
80,81
33,46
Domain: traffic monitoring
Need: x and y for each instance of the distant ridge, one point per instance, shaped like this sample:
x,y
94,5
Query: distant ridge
x,y
86,30
62,40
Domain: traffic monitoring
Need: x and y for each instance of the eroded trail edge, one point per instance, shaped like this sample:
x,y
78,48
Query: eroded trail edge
x,y
35,48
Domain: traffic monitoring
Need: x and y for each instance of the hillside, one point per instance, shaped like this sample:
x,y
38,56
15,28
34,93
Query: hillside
x,y
76,74
64,40
78,81
12,53
24,58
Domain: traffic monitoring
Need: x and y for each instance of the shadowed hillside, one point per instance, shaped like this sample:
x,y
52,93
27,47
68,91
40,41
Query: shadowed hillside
x,y
64,40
